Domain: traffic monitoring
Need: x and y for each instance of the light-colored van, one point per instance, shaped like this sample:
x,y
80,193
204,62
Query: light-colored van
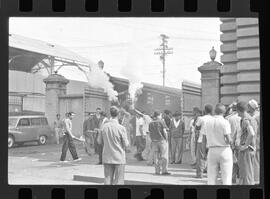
x,y
26,128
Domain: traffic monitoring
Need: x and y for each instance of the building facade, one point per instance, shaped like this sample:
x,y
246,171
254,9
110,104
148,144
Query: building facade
x,y
240,72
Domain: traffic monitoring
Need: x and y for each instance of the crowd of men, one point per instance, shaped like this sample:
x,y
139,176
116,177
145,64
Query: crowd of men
x,y
225,144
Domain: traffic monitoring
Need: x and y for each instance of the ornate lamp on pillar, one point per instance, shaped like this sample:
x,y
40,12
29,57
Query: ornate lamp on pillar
x,y
210,80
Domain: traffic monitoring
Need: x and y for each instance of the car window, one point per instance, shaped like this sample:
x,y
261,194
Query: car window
x,y
12,122
44,121
35,121
24,122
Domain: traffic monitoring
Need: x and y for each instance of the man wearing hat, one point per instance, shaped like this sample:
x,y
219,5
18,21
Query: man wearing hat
x,y
234,121
177,129
253,109
247,146
68,139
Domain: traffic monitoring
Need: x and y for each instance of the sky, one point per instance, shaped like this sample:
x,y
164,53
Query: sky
x,y
126,45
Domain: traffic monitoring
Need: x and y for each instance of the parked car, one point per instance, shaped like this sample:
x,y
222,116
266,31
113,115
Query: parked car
x,y
23,129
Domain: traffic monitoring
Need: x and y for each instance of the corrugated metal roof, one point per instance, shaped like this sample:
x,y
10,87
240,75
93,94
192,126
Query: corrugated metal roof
x,y
41,47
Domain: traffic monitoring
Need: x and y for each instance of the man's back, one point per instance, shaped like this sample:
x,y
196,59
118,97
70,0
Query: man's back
x,y
156,129
215,129
234,121
115,141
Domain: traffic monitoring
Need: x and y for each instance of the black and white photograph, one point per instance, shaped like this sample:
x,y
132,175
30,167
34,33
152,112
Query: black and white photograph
x,y
134,101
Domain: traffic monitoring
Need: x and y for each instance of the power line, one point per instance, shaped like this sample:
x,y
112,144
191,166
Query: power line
x,y
163,52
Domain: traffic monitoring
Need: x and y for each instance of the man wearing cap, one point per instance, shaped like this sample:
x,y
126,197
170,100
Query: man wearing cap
x,y
247,145
254,113
68,139
234,121
159,138
177,129
113,137
216,130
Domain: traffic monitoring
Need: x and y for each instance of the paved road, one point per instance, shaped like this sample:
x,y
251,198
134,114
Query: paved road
x,y
33,164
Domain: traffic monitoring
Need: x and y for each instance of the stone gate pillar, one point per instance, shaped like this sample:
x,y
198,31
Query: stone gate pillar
x,y
56,85
210,80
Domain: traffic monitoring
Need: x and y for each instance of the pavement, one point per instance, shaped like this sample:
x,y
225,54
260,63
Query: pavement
x,y
31,164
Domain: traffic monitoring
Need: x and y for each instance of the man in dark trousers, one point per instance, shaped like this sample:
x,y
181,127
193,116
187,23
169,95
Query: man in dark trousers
x,y
102,121
95,126
88,134
177,130
68,139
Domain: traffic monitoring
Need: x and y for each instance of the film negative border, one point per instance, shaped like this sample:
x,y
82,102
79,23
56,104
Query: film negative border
x,y
126,8
224,8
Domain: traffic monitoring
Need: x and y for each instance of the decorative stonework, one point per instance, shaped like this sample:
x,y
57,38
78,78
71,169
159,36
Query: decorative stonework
x,y
210,80
56,86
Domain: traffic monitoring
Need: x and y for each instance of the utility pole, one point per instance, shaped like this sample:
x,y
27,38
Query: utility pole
x,y
163,52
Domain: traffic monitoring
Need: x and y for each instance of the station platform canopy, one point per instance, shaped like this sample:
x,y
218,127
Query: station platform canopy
x,y
31,55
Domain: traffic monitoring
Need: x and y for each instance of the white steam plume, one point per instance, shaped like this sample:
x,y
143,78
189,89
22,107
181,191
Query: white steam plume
x,y
97,78
133,70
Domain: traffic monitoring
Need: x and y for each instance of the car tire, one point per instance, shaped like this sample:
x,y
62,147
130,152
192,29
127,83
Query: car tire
x,y
11,141
42,140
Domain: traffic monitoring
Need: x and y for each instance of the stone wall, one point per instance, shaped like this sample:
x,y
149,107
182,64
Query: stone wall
x,y
240,73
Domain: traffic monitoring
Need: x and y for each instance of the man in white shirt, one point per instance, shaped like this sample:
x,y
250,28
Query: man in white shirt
x,y
147,153
234,121
140,137
68,139
217,132
201,150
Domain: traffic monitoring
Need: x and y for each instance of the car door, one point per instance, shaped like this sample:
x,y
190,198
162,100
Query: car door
x,y
25,129
46,129
36,128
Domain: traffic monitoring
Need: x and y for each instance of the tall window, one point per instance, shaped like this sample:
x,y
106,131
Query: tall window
x,y
150,98
167,100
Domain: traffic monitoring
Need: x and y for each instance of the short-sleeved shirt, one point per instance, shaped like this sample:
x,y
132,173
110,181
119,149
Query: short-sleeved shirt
x,y
245,123
256,117
191,126
234,121
156,129
215,128
139,122
67,125
200,122
114,140
146,121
